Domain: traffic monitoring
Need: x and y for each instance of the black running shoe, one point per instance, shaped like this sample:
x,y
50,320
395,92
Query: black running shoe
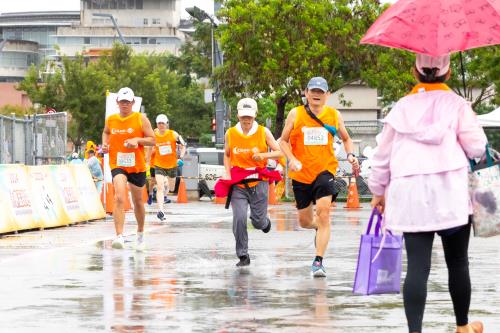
x,y
244,261
268,228
161,216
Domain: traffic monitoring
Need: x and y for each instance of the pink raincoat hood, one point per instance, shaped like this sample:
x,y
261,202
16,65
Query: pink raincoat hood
x,y
423,117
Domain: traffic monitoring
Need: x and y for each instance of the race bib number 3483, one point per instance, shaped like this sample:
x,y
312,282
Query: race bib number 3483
x,y
125,159
315,136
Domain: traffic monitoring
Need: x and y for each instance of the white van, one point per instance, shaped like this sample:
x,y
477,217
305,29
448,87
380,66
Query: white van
x,y
211,164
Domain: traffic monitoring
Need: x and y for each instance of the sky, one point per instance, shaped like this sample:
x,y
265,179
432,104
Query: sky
x,y
48,5
7,6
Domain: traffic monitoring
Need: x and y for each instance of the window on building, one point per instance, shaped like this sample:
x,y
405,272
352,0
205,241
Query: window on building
x,y
146,21
144,40
113,4
138,4
152,41
122,4
86,40
131,4
156,21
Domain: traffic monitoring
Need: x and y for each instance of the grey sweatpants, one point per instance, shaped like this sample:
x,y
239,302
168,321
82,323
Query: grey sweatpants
x,y
256,197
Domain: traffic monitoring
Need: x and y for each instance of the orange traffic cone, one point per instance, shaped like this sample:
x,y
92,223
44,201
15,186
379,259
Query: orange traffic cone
x,y
272,200
220,200
352,195
181,192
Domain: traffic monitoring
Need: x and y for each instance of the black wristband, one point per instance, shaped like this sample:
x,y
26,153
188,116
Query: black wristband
x,y
351,154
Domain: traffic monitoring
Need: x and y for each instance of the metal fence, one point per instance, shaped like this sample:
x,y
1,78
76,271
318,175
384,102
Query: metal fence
x,y
33,140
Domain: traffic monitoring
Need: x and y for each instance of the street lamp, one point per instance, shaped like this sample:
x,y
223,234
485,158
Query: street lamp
x,y
220,106
114,24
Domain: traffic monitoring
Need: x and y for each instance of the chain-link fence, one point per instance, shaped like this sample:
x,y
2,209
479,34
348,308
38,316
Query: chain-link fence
x,y
39,139
49,137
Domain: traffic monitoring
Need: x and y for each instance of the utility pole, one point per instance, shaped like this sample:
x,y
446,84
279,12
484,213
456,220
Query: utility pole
x,y
217,60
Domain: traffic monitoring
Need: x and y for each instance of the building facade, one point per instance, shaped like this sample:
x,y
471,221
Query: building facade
x,y
360,110
146,25
29,39
32,37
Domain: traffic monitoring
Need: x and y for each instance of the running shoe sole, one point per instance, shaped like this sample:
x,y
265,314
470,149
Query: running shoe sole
x,y
319,273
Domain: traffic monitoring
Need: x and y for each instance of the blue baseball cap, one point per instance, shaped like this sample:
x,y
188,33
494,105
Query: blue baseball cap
x,y
317,83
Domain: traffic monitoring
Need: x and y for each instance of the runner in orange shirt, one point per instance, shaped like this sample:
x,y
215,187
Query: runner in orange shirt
x,y
312,163
246,146
124,136
166,161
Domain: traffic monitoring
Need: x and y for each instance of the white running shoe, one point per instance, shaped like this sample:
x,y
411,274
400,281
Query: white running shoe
x,y
118,242
139,243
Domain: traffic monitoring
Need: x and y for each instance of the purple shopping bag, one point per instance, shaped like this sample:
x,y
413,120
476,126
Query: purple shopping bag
x,y
379,261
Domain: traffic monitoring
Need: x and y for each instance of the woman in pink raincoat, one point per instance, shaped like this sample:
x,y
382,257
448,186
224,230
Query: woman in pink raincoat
x,y
419,182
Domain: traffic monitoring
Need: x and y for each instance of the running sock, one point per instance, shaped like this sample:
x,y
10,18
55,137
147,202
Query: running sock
x,y
318,258
140,235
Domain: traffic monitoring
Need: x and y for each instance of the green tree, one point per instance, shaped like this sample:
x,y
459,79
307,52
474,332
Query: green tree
x,y
19,111
79,87
273,47
195,55
391,74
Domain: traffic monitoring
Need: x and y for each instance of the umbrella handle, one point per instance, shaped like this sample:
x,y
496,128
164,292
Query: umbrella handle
x,y
463,74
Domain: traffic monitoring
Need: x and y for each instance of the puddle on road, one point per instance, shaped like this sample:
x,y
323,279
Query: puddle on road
x,y
186,281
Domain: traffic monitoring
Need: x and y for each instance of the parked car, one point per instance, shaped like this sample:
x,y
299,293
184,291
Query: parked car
x,y
211,164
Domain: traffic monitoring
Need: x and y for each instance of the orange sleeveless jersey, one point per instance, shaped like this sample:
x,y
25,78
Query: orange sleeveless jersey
x,y
312,145
242,147
152,158
165,150
130,160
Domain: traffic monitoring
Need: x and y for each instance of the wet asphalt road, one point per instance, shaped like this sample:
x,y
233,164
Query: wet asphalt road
x,y
70,280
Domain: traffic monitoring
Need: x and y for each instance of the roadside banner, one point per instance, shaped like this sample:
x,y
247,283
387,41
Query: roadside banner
x,y
69,194
88,191
7,223
17,196
49,208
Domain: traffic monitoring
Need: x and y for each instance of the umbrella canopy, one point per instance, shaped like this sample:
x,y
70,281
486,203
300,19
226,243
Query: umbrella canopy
x,y
437,27
491,119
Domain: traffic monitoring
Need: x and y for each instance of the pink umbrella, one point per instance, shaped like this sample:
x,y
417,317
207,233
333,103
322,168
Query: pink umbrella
x,y
437,27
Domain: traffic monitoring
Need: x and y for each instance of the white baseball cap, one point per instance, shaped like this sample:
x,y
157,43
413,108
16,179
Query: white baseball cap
x,y
427,61
125,94
74,155
161,118
247,107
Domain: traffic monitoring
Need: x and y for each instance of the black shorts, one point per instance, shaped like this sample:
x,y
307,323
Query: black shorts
x,y
322,186
152,172
138,178
172,172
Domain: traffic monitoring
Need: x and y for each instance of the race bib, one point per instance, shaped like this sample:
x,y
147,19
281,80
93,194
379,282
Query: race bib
x,y
125,159
315,136
165,150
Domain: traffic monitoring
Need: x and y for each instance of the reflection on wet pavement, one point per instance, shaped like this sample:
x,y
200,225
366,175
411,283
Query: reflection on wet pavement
x,y
186,281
